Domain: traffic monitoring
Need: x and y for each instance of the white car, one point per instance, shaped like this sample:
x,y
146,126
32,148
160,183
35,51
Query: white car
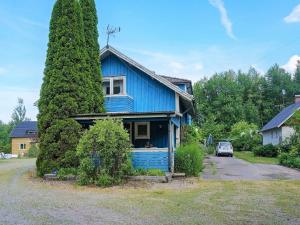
x,y
224,148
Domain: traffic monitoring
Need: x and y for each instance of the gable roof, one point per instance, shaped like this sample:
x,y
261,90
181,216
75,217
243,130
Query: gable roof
x,y
26,129
108,49
281,117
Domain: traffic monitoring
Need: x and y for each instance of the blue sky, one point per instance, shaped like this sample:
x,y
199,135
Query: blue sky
x,y
191,39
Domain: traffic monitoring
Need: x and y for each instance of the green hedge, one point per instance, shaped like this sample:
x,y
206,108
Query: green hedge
x,y
266,150
189,159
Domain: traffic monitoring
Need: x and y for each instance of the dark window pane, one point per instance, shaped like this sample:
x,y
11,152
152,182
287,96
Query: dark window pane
x,y
106,88
142,130
117,90
118,87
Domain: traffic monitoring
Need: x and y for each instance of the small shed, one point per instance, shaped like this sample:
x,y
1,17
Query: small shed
x,y
276,131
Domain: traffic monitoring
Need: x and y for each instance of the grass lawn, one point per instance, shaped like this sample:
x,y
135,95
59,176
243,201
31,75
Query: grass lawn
x,y
193,201
249,156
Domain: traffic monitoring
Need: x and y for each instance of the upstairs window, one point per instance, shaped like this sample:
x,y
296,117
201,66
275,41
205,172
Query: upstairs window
x,y
114,86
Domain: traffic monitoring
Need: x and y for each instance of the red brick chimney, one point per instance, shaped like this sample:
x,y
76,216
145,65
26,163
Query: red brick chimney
x,y
297,98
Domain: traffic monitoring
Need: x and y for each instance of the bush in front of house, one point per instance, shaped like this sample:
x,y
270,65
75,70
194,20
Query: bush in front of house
x,y
103,151
244,136
189,159
33,151
291,158
266,150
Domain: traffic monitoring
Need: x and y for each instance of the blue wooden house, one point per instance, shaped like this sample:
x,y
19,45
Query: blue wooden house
x,y
153,108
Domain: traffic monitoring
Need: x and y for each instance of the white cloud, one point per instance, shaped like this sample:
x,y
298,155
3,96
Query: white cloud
x,y
291,65
226,22
2,70
8,101
294,16
187,65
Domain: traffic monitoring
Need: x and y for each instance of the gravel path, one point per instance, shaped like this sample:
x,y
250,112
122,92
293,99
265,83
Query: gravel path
x,y
25,201
31,201
227,168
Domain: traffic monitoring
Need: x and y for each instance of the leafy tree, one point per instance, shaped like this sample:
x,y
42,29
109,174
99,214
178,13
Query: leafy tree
x,y
227,98
90,22
19,113
245,136
67,87
5,130
297,78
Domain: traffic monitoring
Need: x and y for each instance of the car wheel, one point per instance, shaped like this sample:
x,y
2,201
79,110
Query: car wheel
x,y
231,155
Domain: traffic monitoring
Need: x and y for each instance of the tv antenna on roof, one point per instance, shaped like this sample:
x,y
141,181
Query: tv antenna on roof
x,y
111,31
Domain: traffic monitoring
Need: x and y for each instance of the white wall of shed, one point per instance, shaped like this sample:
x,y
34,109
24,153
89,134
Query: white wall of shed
x,y
273,136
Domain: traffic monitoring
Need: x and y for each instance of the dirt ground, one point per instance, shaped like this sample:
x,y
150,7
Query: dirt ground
x,y
28,200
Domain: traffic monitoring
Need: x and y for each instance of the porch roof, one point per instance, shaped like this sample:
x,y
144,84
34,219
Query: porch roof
x,y
124,115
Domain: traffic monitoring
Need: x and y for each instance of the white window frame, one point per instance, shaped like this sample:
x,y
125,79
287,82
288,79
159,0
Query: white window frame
x,y
136,135
111,83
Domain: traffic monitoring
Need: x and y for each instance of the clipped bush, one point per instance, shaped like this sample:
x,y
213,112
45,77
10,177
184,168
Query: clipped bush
x,y
266,150
189,159
105,147
33,151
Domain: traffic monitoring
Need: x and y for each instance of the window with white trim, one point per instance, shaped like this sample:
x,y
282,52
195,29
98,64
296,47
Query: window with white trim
x,y
114,86
142,130
22,146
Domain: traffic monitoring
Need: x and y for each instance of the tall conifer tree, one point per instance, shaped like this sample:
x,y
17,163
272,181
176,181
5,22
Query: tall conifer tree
x,y
66,90
90,22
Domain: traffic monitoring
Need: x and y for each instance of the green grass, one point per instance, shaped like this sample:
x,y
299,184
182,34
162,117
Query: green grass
x,y
191,201
249,156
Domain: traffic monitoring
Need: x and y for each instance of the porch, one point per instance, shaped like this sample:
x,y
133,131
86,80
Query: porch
x,y
153,136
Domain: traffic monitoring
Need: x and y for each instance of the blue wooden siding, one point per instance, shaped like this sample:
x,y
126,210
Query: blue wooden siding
x,y
158,136
148,94
119,104
150,160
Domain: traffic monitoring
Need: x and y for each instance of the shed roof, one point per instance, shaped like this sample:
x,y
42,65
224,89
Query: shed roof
x,y
281,117
26,129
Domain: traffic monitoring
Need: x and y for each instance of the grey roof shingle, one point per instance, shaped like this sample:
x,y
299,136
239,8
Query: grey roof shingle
x,y
281,117
26,129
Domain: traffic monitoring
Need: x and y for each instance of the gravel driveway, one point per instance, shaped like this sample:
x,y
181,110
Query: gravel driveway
x,y
227,168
